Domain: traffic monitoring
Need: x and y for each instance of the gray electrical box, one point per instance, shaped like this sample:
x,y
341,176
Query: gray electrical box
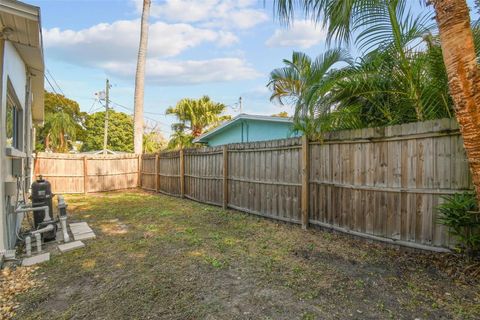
x,y
17,167
10,188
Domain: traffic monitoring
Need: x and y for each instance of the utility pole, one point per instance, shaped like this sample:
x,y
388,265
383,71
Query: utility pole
x,y
105,133
240,104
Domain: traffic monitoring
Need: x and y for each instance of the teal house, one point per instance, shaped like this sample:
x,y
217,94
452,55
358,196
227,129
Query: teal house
x,y
249,128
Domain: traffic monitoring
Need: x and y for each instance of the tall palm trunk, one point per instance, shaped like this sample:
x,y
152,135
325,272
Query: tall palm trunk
x,y
196,131
47,142
140,80
456,39
62,147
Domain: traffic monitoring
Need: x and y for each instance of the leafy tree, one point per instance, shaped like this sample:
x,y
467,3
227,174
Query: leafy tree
x,y
195,116
375,22
180,140
373,91
153,140
460,214
400,78
120,131
64,123
299,78
60,128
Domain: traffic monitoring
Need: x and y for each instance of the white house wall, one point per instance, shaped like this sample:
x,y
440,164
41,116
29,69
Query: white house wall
x,y
15,70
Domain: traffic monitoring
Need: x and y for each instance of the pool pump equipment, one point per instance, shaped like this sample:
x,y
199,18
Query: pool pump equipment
x,y
45,225
42,197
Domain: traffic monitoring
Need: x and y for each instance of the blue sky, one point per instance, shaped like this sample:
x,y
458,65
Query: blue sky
x,y
221,48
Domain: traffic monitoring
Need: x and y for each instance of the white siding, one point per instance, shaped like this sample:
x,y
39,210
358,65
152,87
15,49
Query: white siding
x,y
12,68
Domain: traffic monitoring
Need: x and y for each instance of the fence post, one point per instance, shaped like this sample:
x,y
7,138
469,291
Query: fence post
x,y
305,180
225,177
182,173
35,167
85,175
157,172
139,167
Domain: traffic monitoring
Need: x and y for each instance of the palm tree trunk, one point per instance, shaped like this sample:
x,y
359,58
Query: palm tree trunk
x,y
456,39
140,80
47,142
62,141
196,131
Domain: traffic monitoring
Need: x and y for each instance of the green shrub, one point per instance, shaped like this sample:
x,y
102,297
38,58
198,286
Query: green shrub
x,y
460,214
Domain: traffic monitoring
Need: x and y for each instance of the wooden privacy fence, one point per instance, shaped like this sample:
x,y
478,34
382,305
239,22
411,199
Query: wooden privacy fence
x,y
76,173
380,183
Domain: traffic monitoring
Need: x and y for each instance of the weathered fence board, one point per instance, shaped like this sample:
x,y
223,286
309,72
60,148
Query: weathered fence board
x,y
258,184
169,173
204,175
72,173
382,183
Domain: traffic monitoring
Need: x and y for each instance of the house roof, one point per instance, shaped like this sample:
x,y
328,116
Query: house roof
x,y
23,26
242,116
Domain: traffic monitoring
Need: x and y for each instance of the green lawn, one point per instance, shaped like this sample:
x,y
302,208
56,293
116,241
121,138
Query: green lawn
x,y
159,257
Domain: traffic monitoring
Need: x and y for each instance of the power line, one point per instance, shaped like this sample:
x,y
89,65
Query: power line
x,y
98,109
148,112
131,110
55,81
148,118
102,106
94,102
55,91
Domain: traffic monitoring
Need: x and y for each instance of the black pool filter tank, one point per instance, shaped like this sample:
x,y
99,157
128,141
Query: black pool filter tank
x,y
41,196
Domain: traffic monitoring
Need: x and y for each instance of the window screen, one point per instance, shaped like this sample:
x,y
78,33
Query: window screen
x,y
13,117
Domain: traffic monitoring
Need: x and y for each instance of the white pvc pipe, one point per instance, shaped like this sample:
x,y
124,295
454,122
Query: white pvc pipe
x,y
38,238
28,245
63,223
46,209
43,230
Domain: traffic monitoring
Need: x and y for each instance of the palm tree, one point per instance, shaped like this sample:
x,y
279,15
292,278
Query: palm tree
x,y
376,21
140,79
302,82
180,140
197,115
61,128
376,89
459,55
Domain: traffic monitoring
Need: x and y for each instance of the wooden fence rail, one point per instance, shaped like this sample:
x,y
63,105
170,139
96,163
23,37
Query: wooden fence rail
x,y
380,183
73,173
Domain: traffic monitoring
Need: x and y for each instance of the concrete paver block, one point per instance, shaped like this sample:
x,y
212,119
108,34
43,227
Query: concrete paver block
x,y
79,227
30,261
77,224
71,246
82,230
84,236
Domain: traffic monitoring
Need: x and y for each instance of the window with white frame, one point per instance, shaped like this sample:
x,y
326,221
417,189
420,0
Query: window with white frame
x,y
13,119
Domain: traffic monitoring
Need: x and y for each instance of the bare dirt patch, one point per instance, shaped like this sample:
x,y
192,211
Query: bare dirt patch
x,y
158,257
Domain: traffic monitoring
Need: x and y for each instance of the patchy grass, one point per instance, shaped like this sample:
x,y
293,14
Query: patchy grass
x,y
165,258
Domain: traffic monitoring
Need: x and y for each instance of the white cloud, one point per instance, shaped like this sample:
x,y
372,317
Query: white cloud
x,y
227,14
247,18
303,34
113,46
167,72
119,40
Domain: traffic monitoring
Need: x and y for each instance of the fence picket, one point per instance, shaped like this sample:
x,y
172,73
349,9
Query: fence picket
x,y
382,183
